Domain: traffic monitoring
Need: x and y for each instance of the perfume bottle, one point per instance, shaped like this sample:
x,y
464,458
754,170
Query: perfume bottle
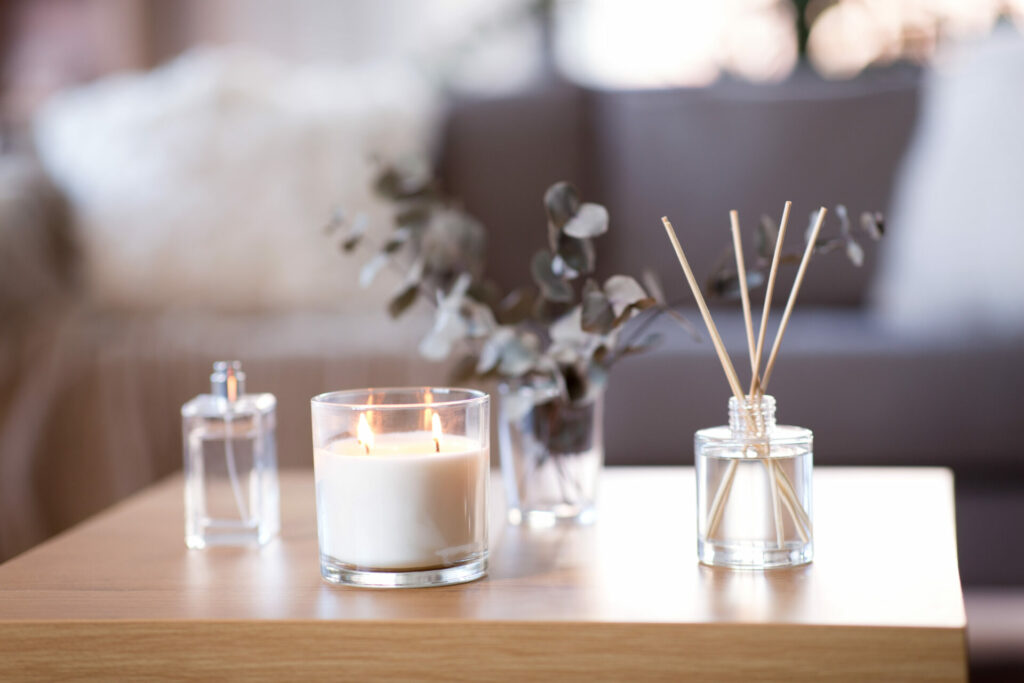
x,y
754,489
231,490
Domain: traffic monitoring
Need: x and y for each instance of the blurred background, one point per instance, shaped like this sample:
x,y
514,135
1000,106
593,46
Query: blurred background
x,y
167,171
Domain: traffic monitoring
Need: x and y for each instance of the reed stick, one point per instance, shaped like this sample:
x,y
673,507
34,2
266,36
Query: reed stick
x,y
741,274
724,488
730,372
802,522
770,365
716,339
789,495
768,292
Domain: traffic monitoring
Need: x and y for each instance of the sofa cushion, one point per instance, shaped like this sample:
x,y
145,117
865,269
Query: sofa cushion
x,y
208,182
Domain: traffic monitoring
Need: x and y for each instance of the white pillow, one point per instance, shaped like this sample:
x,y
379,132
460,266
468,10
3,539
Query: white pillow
x,y
951,264
206,182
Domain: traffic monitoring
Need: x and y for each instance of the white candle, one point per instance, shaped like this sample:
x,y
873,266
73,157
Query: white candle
x,y
402,501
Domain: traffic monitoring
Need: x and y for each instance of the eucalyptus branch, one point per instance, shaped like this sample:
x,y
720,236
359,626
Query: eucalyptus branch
x,y
550,331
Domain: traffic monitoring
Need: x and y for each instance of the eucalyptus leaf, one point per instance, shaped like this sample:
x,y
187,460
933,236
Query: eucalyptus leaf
x,y
873,224
414,275
336,220
570,343
449,323
519,355
854,252
478,318
490,353
397,240
827,246
578,255
623,292
404,180
551,286
401,302
844,220
562,269
355,232
632,310
372,267
562,201
590,220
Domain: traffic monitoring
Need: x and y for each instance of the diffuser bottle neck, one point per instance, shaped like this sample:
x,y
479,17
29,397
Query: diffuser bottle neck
x,y
755,418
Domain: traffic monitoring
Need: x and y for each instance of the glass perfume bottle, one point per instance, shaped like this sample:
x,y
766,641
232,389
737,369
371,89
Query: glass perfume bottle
x,y
231,490
754,489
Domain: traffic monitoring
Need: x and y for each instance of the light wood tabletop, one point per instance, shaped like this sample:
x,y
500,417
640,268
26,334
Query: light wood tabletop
x,y
120,595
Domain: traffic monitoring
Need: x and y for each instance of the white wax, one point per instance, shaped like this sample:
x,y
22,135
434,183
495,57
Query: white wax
x,y
404,506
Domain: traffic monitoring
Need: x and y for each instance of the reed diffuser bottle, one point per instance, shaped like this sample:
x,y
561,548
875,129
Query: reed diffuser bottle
x,y
753,476
231,489
754,489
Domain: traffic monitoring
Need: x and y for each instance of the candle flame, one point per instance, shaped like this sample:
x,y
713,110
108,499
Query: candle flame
x,y
428,398
364,433
435,426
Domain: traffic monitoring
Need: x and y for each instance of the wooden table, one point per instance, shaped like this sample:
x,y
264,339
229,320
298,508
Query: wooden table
x,y
622,599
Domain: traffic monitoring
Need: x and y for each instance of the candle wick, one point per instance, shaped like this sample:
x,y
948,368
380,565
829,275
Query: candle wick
x,y
367,447
437,445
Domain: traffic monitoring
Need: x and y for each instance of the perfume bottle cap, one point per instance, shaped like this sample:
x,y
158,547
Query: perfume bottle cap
x,y
227,380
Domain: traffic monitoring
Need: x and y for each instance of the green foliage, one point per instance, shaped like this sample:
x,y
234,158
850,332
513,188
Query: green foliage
x,y
563,330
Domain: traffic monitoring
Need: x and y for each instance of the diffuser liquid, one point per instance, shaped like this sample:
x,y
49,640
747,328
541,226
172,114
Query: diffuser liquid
x,y
745,533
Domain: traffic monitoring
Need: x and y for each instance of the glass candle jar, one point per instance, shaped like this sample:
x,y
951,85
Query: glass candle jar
x,y
754,490
401,485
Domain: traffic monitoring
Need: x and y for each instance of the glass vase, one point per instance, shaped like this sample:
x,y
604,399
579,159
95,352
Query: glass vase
x,y
552,452
754,490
